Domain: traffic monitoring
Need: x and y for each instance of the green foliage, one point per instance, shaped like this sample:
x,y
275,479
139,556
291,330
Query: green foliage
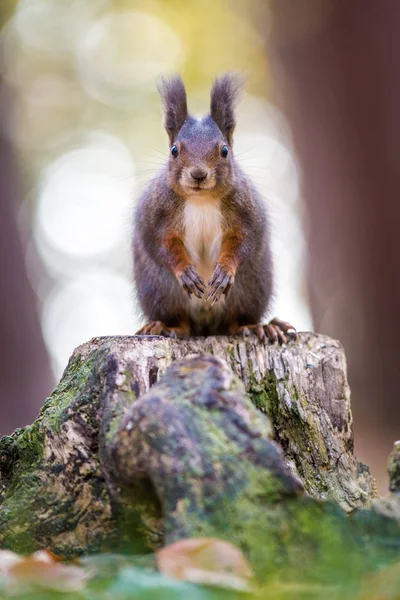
x,y
312,550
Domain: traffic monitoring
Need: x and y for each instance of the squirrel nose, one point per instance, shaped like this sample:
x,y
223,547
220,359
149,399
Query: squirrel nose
x,y
198,174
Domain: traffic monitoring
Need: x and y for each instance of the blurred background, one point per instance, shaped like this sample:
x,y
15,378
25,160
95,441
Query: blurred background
x,y
81,135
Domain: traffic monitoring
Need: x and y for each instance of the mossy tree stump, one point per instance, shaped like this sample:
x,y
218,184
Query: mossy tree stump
x,y
110,461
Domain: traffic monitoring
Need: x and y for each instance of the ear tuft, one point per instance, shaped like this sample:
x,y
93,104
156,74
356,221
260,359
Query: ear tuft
x,y
173,97
225,94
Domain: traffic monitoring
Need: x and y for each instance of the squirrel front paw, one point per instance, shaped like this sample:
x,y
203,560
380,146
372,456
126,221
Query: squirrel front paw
x,y
192,282
220,283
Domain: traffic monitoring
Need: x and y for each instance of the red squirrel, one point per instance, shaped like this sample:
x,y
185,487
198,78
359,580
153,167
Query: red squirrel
x,y
201,246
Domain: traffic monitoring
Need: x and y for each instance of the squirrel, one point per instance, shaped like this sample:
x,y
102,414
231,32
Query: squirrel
x,y
201,244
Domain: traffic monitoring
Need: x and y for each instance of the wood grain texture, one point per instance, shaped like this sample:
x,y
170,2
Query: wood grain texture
x,y
302,387
60,485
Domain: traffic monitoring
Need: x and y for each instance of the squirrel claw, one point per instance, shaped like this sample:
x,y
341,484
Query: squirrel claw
x,y
275,331
158,328
280,331
220,283
192,282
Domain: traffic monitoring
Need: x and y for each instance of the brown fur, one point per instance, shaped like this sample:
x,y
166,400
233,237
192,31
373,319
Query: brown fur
x,y
167,284
229,257
175,253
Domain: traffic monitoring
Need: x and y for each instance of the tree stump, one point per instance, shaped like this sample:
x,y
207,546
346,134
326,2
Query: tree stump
x,y
126,451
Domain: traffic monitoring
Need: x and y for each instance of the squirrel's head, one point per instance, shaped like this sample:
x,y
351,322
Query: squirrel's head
x,y
201,160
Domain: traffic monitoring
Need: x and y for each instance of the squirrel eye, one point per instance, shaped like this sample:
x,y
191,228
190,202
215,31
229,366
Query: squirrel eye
x,y
224,151
174,151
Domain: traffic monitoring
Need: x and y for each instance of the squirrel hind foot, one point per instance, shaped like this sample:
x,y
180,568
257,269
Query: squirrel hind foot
x,y
275,331
279,331
159,328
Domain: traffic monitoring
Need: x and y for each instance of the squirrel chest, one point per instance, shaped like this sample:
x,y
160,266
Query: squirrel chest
x,y
203,233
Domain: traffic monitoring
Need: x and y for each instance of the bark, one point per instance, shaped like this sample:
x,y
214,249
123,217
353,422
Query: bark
x,y
394,469
110,461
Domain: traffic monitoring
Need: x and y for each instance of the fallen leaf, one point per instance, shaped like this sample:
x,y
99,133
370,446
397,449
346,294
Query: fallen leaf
x,y
43,571
206,561
42,556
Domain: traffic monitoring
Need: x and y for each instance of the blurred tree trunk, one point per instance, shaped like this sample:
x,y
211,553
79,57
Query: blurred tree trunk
x,y
336,65
25,375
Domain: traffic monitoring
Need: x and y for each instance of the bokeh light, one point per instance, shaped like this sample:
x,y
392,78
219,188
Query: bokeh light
x,y
91,303
121,54
53,27
85,199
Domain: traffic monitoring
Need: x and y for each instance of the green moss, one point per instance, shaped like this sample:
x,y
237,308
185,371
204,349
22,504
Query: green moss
x,y
113,427
272,396
295,411
126,387
138,525
230,350
70,392
33,486
263,393
258,395
20,456
22,450
125,398
289,425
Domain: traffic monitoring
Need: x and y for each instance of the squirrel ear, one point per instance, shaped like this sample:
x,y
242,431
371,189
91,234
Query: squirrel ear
x,y
173,97
225,93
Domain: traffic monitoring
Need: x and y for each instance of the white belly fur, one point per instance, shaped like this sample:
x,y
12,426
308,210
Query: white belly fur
x,y
203,234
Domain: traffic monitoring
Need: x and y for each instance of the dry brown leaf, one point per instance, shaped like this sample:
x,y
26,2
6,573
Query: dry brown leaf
x,y
48,556
42,570
206,561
